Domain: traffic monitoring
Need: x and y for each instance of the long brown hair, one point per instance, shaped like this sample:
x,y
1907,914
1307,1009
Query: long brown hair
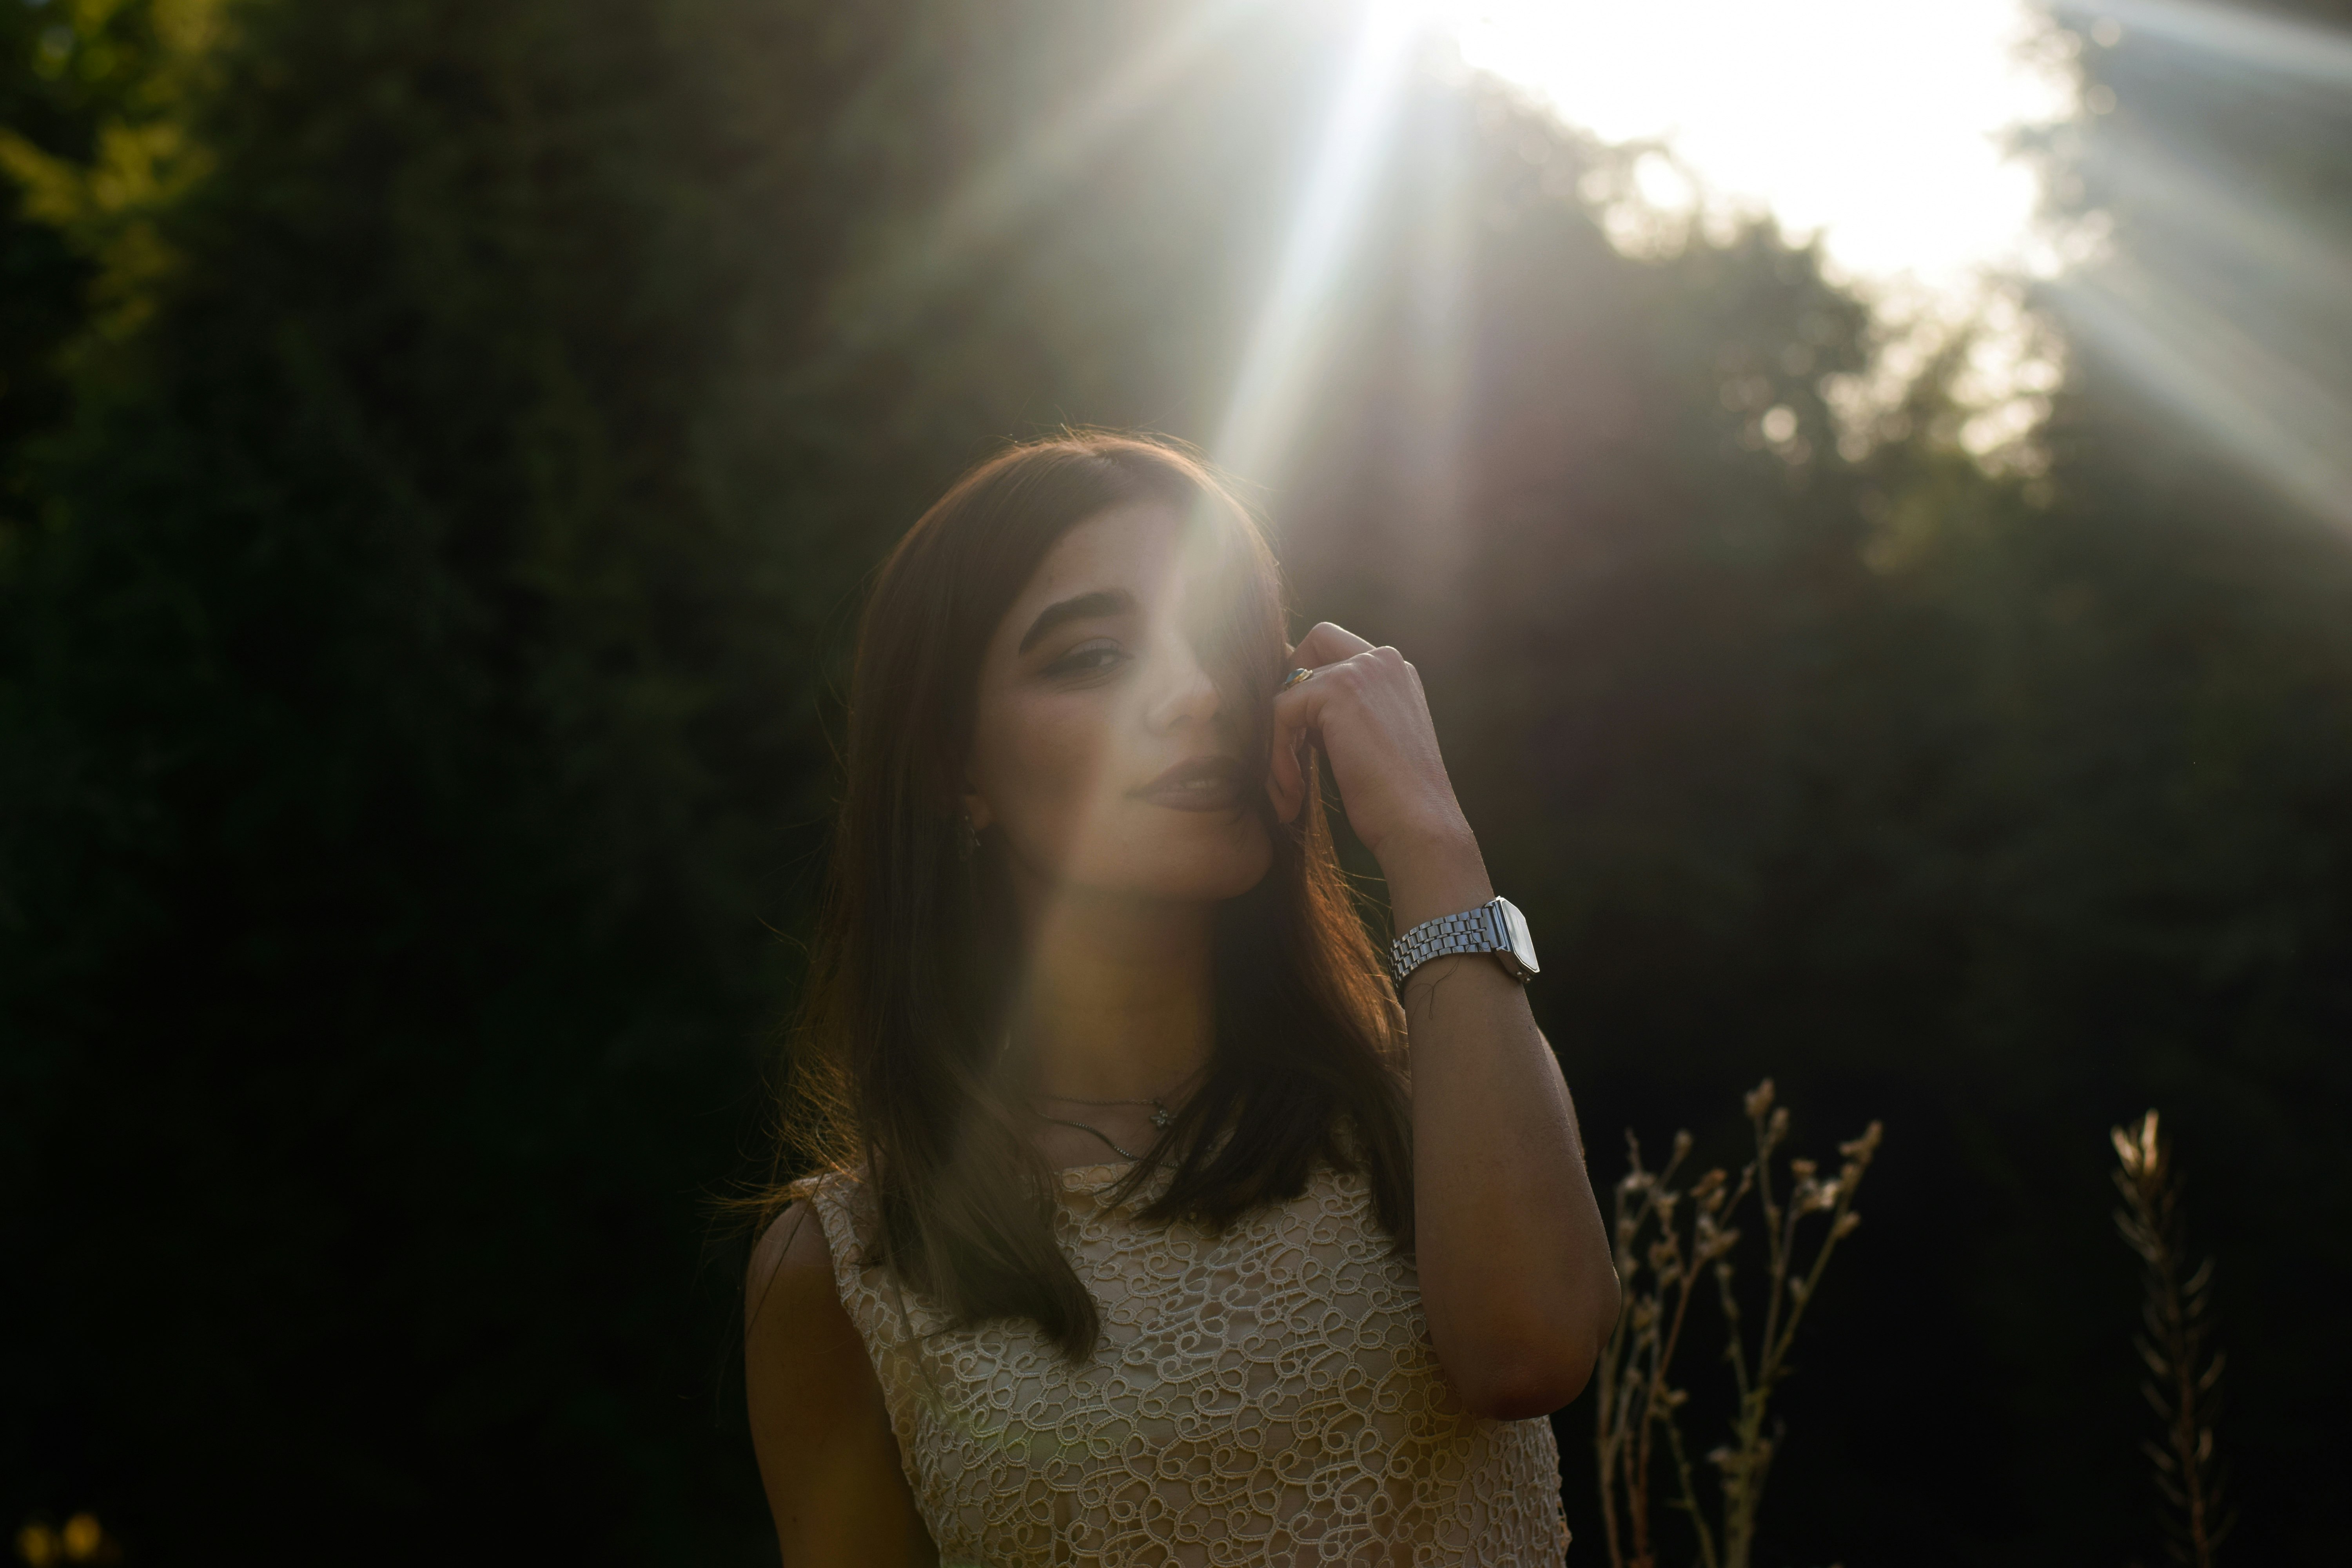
x,y
898,1062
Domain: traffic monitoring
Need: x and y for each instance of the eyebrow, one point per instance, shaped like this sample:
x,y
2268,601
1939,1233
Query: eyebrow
x,y
1083,608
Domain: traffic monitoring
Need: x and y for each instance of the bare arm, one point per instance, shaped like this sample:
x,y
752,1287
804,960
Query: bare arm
x,y
1516,1275
818,1425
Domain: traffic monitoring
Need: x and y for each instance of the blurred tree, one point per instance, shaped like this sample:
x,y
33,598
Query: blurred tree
x,y
426,577
401,761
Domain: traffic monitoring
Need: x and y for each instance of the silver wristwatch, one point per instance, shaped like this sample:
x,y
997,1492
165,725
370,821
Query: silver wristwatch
x,y
1495,926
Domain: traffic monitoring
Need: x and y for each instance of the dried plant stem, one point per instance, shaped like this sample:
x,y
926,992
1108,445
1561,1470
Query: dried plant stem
x,y
1637,1399
2184,1383
1632,1372
1688,1501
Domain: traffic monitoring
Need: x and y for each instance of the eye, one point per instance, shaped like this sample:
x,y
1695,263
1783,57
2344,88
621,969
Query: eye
x,y
1088,658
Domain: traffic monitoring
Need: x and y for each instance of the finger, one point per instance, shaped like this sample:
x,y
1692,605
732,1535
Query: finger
x,y
1297,708
1286,770
1297,713
1286,783
1327,643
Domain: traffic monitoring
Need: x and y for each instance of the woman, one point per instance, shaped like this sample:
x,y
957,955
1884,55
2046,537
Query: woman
x,y
1151,1229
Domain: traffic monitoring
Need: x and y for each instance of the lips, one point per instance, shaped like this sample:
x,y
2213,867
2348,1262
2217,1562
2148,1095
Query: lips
x,y
1196,783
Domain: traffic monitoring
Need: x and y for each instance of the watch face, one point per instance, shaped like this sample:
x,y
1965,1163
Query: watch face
x,y
1515,927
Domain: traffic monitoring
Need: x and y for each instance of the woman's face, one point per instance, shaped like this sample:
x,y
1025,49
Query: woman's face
x,y
1101,750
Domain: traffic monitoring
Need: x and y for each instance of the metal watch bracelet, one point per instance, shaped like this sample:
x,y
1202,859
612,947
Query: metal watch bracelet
x,y
1481,930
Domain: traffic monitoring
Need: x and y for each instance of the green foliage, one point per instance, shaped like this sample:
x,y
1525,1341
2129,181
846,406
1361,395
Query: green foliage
x,y
444,442
90,99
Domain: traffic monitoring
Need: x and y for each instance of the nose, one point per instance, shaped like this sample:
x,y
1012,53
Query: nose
x,y
1184,694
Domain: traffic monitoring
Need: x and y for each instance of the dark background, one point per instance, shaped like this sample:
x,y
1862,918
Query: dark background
x,y
441,443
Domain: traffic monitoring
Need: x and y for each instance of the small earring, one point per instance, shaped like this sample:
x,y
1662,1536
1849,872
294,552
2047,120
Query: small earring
x,y
969,845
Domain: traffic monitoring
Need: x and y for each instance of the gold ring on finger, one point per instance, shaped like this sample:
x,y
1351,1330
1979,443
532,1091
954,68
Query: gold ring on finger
x,y
1296,676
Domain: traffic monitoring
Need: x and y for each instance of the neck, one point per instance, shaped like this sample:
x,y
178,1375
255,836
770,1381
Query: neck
x,y
1117,1000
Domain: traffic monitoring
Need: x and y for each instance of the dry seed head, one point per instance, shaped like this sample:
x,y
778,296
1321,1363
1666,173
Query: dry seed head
x,y
1760,1098
1682,1142
1861,1149
1845,1224
1779,1126
2140,1151
1802,1169
1821,1196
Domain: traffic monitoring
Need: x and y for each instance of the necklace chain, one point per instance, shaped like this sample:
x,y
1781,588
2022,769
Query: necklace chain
x,y
1060,1121
1160,1115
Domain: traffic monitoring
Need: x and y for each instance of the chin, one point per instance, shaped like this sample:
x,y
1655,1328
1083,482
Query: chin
x,y
1229,878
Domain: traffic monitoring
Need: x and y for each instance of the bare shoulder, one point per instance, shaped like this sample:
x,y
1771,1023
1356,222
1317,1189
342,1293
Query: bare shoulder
x,y
791,1257
820,1428
799,1343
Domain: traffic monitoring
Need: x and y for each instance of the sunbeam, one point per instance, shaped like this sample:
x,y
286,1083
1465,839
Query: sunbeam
x,y
2223,299
881,298
2263,253
1284,348
2279,45
2284,424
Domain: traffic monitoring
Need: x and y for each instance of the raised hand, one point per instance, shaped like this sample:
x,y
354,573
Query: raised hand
x,y
1366,706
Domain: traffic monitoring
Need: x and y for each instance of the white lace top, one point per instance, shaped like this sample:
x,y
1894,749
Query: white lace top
x,y
1266,1396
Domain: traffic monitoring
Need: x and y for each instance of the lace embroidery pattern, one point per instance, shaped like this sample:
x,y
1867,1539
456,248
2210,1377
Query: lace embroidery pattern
x,y
1264,1396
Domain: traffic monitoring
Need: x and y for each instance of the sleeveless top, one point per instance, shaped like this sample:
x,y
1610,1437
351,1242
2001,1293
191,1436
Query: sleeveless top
x,y
1266,1396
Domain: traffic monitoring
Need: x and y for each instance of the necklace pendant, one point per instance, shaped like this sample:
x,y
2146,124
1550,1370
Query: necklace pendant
x,y
1162,1116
